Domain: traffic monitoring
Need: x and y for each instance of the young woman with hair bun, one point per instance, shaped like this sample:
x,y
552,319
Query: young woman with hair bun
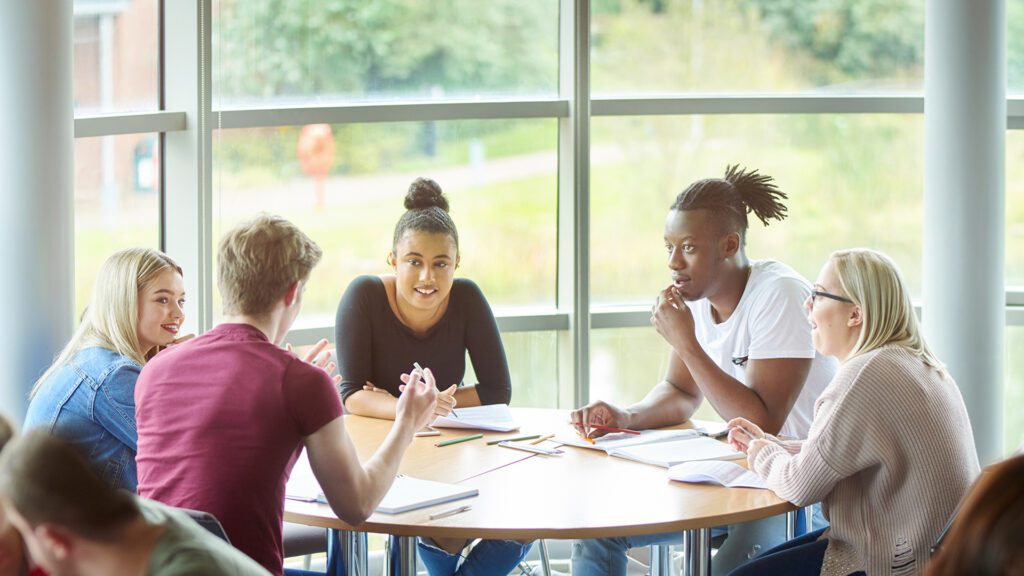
x,y
420,312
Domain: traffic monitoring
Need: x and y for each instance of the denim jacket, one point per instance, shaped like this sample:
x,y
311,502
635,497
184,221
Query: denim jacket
x,y
91,401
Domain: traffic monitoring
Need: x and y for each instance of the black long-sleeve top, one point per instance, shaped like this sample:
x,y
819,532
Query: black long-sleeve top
x,y
373,345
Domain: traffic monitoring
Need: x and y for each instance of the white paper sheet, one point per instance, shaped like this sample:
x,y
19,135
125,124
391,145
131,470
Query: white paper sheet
x,y
716,472
495,417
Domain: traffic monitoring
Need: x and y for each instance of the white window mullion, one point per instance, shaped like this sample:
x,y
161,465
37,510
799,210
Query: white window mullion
x,y
187,168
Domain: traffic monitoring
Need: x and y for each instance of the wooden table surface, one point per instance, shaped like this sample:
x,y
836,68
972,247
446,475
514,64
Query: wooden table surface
x,y
581,494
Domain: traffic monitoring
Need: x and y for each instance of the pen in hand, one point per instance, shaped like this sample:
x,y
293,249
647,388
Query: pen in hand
x,y
417,367
750,435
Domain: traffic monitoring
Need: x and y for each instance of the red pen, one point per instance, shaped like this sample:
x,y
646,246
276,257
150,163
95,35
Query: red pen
x,y
611,429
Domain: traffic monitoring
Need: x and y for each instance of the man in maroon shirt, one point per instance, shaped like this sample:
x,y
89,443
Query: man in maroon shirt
x,y
222,418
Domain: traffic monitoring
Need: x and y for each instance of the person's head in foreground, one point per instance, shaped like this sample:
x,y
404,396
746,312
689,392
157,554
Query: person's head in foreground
x,y
12,550
61,508
986,537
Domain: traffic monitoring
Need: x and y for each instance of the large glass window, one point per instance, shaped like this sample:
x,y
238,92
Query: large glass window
x,y
1013,395
852,180
625,363
533,362
1015,47
116,55
1015,209
844,46
301,50
500,177
117,202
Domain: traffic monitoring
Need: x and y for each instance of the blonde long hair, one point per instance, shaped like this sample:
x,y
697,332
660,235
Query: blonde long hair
x,y
111,318
874,283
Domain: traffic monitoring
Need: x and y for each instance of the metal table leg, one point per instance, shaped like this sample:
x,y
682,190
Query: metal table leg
x,y
334,565
407,555
791,525
661,560
697,551
353,553
545,560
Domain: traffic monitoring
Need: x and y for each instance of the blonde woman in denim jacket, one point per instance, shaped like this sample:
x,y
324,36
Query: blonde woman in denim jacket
x,y
87,395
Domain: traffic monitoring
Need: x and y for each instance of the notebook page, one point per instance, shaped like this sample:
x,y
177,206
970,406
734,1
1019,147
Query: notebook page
x,y
670,453
409,493
716,472
618,440
496,417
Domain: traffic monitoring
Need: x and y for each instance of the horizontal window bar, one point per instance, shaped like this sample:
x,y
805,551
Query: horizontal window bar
x,y
135,123
1015,107
639,318
168,121
553,321
308,336
1014,298
793,104
603,318
388,112
539,322
620,317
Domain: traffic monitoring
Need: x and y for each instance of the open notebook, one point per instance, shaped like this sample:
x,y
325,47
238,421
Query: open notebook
x,y
667,454
663,448
406,493
495,417
721,473
617,440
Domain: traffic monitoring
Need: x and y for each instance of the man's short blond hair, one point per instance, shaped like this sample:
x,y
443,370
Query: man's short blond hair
x,y
258,260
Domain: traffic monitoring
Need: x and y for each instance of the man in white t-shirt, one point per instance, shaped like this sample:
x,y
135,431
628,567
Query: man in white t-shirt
x,y
740,338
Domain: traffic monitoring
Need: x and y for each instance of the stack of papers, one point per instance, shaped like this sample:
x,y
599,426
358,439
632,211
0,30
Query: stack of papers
x,y
721,473
495,417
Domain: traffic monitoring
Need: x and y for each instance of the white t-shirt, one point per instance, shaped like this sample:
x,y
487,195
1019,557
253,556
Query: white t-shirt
x,y
769,322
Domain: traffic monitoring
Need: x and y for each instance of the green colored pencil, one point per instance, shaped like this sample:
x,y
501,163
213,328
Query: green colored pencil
x,y
457,440
520,439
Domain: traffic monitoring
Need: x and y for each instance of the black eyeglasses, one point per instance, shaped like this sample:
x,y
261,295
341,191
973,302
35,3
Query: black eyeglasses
x,y
815,294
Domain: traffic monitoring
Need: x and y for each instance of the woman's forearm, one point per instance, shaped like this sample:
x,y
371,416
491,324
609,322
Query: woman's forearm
x,y
373,403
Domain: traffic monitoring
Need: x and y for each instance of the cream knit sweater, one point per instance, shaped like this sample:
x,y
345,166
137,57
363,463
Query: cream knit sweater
x,y
890,453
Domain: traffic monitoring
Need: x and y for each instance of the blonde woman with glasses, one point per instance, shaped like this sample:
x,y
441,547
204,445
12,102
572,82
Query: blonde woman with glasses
x,y
87,395
890,452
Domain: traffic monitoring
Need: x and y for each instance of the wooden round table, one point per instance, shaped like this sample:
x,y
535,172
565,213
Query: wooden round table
x,y
580,494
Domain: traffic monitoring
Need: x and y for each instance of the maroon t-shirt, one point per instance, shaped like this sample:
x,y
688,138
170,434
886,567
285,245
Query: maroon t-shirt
x,y
221,420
